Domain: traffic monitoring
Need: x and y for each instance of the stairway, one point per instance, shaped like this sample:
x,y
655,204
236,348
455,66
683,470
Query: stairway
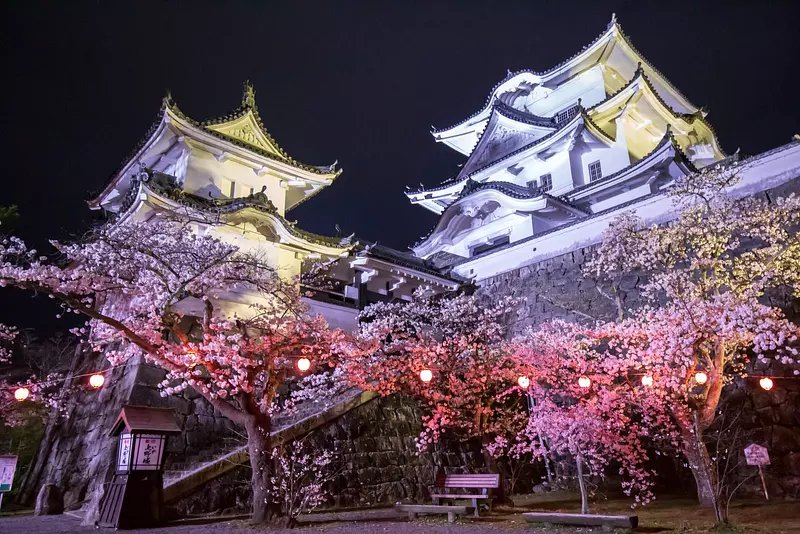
x,y
179,484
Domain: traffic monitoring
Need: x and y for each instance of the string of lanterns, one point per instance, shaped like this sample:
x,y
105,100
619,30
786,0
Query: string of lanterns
x,y
766,383
96,381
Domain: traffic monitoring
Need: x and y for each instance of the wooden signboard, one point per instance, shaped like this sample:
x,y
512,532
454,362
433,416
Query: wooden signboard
x,y
8,464
755,454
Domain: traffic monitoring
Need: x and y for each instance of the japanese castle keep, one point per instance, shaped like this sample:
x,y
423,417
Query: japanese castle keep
x,y
550,159
552,156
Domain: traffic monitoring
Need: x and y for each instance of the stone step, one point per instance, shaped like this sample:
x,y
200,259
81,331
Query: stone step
x,y
199,474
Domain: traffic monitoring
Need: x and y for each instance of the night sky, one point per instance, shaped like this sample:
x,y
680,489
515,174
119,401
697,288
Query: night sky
x,y
361,82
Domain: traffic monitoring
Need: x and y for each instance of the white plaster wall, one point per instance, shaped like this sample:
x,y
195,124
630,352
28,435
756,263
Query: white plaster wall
x,y
342,317
207,175
612,159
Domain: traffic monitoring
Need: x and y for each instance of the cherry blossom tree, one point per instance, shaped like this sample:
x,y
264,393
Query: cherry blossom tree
x,y
298,479
162,289
457,343
583,410
704,277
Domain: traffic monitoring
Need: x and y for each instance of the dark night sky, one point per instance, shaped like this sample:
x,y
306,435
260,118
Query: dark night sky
x,y
361,82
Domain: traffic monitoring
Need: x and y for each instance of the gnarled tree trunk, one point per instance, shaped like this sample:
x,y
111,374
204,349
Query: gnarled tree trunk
x,y
705,476
259,445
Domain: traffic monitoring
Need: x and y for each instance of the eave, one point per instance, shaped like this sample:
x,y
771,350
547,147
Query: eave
x,y
369,263
640,82
573,126
510,196
236,211
667,148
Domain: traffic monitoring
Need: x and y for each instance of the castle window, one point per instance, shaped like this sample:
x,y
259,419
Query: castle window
x,y
227,187
546,181
595,172
533,184
566,114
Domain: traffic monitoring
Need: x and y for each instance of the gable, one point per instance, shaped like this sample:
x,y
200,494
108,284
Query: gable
x,y
501,137
247,130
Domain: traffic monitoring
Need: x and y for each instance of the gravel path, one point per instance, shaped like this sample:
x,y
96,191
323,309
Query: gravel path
x,y
375,524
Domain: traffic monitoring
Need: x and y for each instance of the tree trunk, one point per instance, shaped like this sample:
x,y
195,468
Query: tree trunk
x,y
705,476
260,446
582,484
499,495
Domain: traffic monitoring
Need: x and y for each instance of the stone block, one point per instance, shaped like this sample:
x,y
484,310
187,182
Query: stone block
x,y
179,404
49,501
150,375
785,439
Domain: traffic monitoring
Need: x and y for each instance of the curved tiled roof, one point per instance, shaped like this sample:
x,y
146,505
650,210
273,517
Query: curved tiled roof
x,y
521,116
403,259
688,117
667,139
507,188
248,104
558,127
562,126
166,186
512,75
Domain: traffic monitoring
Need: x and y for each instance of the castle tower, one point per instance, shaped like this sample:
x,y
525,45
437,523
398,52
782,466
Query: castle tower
x,y
228,171
551,148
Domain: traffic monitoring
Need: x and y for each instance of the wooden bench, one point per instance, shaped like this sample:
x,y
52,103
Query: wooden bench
x,y
451,511
482,482
586,520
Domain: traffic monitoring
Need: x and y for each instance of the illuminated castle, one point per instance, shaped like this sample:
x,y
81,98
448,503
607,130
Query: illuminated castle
x,y
553,156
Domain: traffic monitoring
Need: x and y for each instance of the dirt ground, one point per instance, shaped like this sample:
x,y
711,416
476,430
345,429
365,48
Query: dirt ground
x,y
664,516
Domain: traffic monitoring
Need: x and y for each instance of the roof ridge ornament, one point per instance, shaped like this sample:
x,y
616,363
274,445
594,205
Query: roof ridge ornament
x,y
249,96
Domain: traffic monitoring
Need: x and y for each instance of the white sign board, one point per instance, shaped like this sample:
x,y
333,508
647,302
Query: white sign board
x,y
148,451
124,460
755,454
8,464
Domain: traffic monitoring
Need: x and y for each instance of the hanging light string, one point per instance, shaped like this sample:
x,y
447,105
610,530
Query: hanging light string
x,y
647,380
96,379
48,383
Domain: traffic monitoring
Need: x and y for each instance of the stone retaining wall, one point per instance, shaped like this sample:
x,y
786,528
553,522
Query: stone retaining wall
x,y
375,455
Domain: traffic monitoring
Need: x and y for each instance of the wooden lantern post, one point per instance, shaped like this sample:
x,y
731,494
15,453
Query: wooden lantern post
x,y
135,499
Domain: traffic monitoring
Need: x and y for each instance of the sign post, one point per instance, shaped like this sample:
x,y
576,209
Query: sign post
x,y
755,454
8,465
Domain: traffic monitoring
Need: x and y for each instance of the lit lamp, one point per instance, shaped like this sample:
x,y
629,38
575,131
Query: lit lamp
x,y
647,381
524,382
21,394
766,383
426,375
304,364
701,377
97,380
584,382
135,498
